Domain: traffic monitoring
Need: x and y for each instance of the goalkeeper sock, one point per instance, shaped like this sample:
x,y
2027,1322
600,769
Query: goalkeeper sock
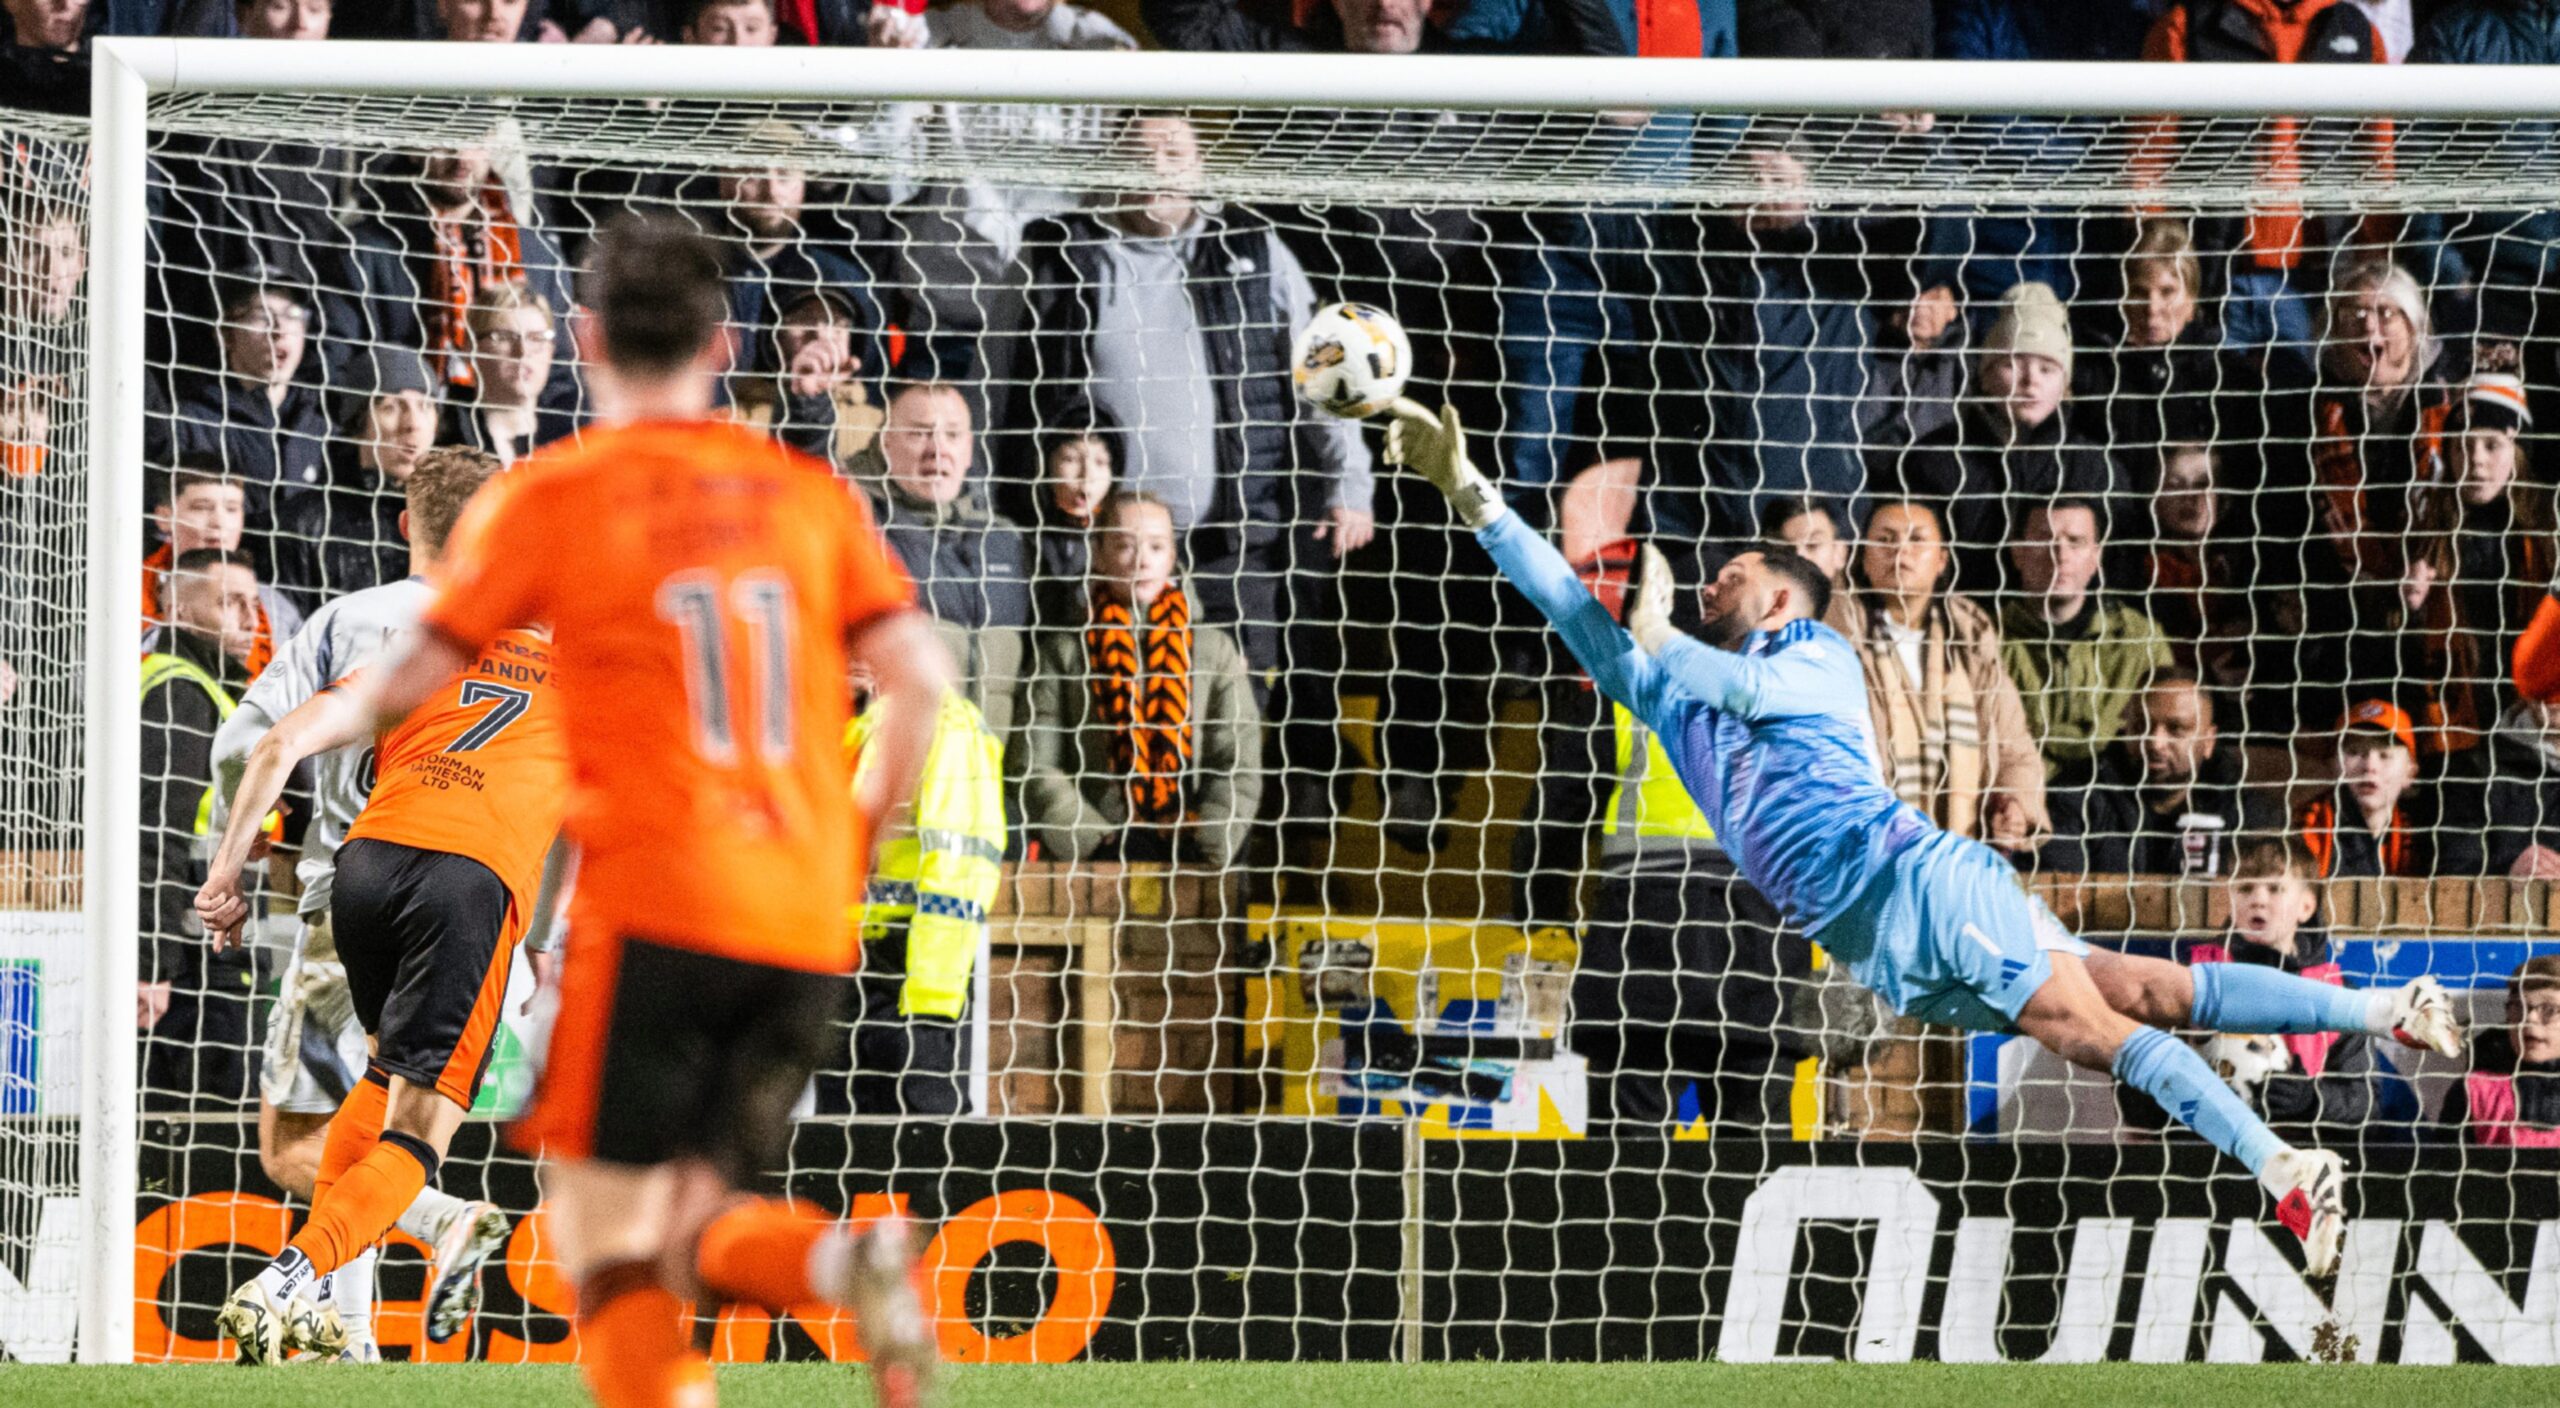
x,y
771,1254
632,1347
2243,997
430,1213
363,1204
2169,1071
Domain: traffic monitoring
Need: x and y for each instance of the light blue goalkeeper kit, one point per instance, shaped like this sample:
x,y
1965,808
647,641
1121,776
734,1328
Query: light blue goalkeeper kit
x,y
1774,742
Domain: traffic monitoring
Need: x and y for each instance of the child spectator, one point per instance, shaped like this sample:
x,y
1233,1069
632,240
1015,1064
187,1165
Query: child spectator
x,y
1076,478
2322,1088
2511,1098
2381,820
1143,738
203,511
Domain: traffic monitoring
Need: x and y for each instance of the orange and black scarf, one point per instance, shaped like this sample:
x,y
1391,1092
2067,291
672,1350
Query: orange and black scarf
x,y
473,250
1142,688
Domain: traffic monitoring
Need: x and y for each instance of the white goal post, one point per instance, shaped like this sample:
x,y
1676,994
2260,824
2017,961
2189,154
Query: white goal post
x,y
132,76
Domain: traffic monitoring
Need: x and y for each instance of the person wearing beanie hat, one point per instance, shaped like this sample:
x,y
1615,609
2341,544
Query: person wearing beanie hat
x,y
347,538
2482,544
2012,445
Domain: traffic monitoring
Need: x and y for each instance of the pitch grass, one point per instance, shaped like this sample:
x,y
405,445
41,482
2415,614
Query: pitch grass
x,y
1323,1385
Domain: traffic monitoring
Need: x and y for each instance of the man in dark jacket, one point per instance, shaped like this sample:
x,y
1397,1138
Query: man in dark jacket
x,y
968,562
264,426
2168,766
2322,1089
194,1005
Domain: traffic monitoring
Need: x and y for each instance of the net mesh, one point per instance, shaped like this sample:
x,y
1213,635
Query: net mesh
x,y
1424,912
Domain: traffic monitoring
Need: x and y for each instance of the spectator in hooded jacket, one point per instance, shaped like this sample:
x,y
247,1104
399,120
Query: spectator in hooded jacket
x,y
198,508
2324,1088
2015,442
2169,764
2383,819
2167,376
2511,1098
2522,792
1950,729
2078,657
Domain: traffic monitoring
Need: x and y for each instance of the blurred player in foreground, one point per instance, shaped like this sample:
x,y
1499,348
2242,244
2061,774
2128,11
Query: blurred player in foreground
x,y
316,1054
434,888
1768,729
704,585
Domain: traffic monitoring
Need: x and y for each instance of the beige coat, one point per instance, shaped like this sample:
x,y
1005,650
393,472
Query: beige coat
x,y
1980,743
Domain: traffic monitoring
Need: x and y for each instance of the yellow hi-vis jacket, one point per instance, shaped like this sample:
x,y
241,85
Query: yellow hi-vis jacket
x,y
1648,803
933,878
158,669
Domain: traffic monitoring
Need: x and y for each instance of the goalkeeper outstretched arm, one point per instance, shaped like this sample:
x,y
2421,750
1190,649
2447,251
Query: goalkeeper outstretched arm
x,y
1434,446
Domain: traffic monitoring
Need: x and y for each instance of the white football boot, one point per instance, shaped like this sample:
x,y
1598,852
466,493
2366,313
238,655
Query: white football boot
x,y
453,1289
2309,1186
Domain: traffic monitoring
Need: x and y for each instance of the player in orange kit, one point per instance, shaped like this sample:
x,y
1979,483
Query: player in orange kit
x,y
435,887
704,585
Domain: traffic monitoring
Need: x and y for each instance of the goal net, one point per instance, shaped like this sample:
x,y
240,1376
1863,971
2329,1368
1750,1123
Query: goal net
x,y
1356,981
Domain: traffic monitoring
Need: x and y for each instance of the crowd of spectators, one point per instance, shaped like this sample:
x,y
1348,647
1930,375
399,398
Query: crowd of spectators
x,y
2153,530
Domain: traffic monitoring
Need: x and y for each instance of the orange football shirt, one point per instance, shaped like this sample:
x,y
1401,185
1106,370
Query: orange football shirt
x,y
479,769
700,581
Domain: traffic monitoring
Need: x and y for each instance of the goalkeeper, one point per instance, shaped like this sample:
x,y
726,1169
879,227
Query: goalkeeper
x,y
1768,730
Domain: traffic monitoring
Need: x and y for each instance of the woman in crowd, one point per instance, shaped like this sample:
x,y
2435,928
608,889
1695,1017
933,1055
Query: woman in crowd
x,y
2511,1097
513,345
1949,724
2167,370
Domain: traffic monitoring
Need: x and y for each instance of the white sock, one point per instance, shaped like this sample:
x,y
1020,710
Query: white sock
x,y
430,1213
286,1276
351,1290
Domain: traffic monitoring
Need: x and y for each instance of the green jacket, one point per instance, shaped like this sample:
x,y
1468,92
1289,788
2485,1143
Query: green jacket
x,y
1071,797
2077,678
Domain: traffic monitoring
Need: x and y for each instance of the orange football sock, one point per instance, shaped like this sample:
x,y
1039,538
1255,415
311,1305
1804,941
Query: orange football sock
x,y
757,1253
352,1131
632,1346
363,1203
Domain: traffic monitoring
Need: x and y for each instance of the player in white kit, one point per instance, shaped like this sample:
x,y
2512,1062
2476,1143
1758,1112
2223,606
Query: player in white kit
x,y
315,1050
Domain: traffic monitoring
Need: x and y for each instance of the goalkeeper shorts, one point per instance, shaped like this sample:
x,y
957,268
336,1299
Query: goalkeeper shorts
x,y
1946,934
428,938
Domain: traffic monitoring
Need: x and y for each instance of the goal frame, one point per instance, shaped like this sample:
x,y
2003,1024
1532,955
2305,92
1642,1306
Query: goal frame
x,y
129,72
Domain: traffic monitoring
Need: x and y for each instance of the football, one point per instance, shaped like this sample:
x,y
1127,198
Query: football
x,y
1351,360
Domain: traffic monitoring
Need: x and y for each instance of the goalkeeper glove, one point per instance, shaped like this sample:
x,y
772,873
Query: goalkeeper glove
x,y
1649,616
1435,447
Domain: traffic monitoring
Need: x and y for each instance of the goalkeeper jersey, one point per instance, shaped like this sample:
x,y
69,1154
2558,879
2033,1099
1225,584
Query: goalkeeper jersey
x,y
1774,741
